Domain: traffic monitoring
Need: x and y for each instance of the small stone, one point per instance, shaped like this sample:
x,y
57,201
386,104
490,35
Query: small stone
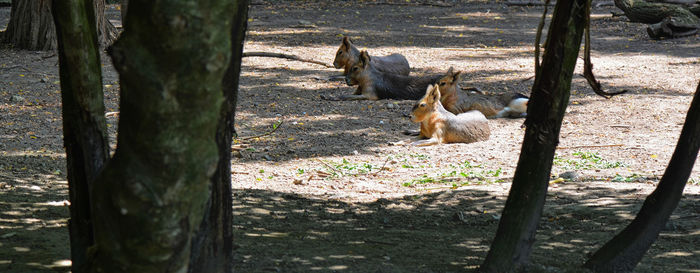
x,y
16,98
390,105
569,175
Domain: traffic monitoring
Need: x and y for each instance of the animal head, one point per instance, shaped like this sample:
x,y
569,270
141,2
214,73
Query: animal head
x,y
359,71
426,105
344,54
448,83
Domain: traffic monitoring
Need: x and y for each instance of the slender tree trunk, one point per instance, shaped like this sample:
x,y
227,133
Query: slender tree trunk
x,y
84,125
626,249
31,25
512,245
212,246
151,197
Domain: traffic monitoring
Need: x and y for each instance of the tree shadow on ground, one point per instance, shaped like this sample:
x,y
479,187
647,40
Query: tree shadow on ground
x,y
33,215
467,24
435,232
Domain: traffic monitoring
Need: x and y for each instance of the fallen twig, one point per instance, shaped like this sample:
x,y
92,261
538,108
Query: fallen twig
x,y
528,3
591,146
528,78
427,3
108,114
284,56
274,128
329,166
382,168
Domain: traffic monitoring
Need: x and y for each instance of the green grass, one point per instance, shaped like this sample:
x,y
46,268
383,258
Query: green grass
x,y
465,173
629,178
586,161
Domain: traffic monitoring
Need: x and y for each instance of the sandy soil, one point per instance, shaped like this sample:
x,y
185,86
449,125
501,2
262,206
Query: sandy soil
x,y
326,193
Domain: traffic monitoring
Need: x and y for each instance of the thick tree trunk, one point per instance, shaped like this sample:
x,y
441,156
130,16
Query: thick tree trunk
x,y
666,20
212,246
151,197
624,251
31,25
512,245
84,125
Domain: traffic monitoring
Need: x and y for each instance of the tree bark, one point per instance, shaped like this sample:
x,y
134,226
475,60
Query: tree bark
x,y
666,20
626,249
31,25
512,245
84,125
212,246
151,197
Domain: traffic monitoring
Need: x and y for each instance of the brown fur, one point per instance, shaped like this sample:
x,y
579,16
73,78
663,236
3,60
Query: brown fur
x,y
348,55
374,85
441,126
457,101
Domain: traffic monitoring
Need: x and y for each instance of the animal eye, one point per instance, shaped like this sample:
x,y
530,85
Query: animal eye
x,y
442,84
340,52
355,68
422,104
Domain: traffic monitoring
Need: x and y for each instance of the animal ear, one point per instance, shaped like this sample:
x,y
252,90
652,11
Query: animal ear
x,y
427,90
435,93
364,57
450,71
346,41
455,75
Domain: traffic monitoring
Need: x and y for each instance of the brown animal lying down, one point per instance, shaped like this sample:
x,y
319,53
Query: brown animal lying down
x,y
348,55
511,105
373,84
437,125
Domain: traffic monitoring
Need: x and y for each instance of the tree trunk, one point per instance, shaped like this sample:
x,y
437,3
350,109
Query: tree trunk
x,y
666,20
84,125
151,197
512,245
31,25
624,251
212,246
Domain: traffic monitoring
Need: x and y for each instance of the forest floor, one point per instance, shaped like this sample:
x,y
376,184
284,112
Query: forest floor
x,y
325,192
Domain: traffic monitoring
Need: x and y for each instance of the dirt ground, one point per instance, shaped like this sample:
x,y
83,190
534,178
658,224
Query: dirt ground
x,y
325,192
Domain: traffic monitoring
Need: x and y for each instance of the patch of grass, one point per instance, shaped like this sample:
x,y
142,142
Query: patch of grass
x,y
629,178
300,171
586,161
346,167
465,173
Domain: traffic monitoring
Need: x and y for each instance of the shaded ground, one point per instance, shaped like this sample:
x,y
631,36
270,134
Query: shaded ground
x,y
325,192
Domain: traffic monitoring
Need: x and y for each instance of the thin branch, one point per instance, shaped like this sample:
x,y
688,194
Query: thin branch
x,y
427,3
330,167
528,3
274,128
538,38
588,65
591,146
383,165
284,56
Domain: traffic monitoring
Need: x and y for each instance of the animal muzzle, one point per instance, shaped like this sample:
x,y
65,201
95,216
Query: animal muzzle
x,y
348,81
